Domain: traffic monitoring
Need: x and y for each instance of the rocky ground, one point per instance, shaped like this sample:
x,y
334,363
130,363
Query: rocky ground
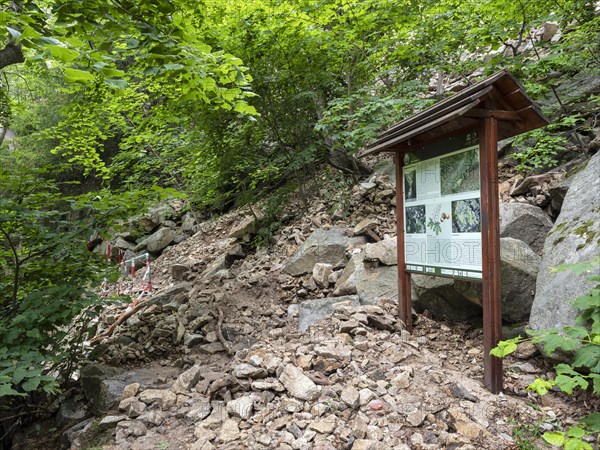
x,y
215,359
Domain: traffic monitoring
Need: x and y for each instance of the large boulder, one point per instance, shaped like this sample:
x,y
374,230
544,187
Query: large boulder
x,y
574,238
248,226
383,251
518,272
224,261
102,385
441,299
461,300
372,282
156,242
312,311
322,246
573,89
525,222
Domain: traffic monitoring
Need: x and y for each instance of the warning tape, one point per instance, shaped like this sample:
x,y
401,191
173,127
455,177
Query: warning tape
x,y
146,286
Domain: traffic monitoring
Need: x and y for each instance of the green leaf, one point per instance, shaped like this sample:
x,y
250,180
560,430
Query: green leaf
x,y
567,383
576,444
6,390
14,34
78,76
580,267
505,347
110,72
588,356
117,84
554,341
592,422
541,386
174,66
63,54
576,432
31,384
554,438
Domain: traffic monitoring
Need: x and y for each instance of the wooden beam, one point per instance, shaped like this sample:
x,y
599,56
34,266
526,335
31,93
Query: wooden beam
x,y
404,291
511,116
490,245
423,128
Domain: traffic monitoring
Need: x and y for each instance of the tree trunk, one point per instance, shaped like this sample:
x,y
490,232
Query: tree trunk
x,y
341,160
11,54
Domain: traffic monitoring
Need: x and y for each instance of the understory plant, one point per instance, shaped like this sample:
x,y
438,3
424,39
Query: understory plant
x,y
582,343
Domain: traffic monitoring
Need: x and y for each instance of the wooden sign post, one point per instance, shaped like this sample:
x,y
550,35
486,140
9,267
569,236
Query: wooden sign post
x,y
436,145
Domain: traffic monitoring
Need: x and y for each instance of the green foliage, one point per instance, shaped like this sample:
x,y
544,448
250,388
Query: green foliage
x,y
583,343
48,278
547,144
44,271
525,435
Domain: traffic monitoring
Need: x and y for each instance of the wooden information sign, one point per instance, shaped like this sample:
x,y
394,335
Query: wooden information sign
x,y
447,204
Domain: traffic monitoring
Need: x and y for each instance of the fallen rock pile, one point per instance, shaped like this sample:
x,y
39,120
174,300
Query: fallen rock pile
x,y
356,380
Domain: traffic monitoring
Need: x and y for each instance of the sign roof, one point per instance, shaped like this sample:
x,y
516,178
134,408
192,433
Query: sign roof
x,y
500,96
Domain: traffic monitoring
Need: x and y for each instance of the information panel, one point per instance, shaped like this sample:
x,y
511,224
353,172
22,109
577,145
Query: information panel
x,y
442,215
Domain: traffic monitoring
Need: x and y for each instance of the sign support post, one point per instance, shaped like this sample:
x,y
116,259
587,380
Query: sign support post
x,y
404,291
490,239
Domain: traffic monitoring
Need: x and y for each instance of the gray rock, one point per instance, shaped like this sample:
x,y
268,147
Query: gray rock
x,y
263,385
188,223
383,251
518,271
179,271
459,391
365,395
165,398
350,396
78,429
326,425
248,371
558,193
241,407
71,410
111,421
321,273
438,296
224,261
372,283
312,311
525,222
341,353
297,384
122,244
322,246
378,284
130,390
229,431
364,225
212,348
101,386
187,380
191,339
200,411
574,238
132,406
574,88
132,428
165,296
157,241
153,418
248,225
